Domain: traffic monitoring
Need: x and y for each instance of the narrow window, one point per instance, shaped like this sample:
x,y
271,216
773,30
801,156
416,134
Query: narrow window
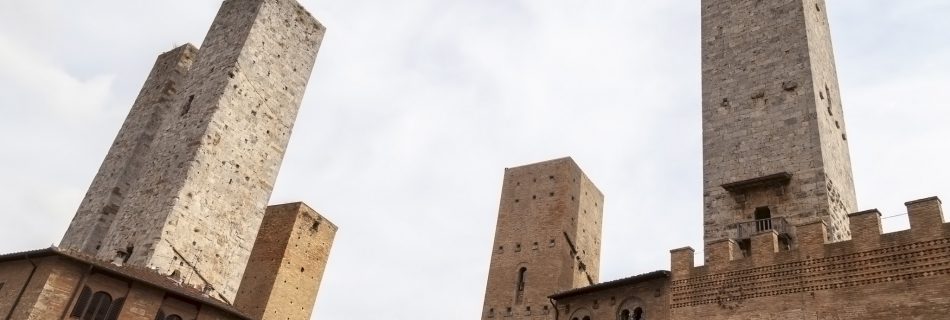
x,y
638,314
763,219
99,306
519,295
81,302
115,309
624,315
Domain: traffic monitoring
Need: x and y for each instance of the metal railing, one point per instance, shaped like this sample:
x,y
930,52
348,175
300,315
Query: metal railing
x,y
745,230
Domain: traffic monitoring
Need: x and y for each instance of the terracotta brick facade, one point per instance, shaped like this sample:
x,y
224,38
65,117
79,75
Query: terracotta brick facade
x,y
547,239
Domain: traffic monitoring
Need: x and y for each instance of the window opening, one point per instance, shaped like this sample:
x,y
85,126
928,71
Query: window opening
x,y
520,284
638,313
763,219
98,308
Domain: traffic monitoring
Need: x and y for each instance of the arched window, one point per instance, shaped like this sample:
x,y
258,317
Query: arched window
x,y
624,315
98,307
519,296
173,317
638,313
586,318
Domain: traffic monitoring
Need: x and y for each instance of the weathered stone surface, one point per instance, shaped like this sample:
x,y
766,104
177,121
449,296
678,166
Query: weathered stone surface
x,y
126,158
771,105
286,266
196,207
549,224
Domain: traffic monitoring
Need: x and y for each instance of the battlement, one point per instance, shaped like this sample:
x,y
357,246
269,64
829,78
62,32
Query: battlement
x,y
812,263
926,221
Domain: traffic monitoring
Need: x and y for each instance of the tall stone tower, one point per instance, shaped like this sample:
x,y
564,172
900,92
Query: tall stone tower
x,y
286,266
125,160
547,239
197,202
774,140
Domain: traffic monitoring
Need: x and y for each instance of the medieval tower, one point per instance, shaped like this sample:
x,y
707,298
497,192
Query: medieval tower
x,y
775,150
185,186
547,239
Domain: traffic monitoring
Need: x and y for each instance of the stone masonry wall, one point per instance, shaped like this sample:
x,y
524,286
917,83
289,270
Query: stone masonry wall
x,y
900,275
549,223
195,211
286,266
122,165
763,113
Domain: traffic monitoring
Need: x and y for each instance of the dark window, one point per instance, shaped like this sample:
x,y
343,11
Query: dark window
x,y
624,315
763,219
173,317
160,315
115,309
586,318
81,303
637,313
98,308
520,284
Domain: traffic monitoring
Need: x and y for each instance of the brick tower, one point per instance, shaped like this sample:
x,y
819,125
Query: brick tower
x,y
203,184
547,239
286,266
775,152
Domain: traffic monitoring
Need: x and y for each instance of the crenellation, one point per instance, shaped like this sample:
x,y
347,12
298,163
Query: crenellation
x,y
812,237
764,247
720,252
925,215
866,228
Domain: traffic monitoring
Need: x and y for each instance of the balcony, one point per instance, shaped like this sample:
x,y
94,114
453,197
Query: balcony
x,y
745,230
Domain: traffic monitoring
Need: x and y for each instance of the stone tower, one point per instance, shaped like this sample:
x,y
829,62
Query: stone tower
x,y
125,160
287,263
774,141
547,239
200,194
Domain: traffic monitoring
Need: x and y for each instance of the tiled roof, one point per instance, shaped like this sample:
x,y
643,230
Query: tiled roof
x,y
143,275
611,284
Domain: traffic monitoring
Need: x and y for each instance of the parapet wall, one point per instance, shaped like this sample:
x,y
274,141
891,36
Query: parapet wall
x,y
820,280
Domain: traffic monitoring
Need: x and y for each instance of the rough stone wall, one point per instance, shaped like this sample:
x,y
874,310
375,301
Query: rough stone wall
x,y
763,113
199,201
900,275
286,266
121,167
608,304
549,222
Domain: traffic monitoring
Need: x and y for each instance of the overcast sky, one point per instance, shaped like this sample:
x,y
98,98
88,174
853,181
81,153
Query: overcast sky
x,y
416,107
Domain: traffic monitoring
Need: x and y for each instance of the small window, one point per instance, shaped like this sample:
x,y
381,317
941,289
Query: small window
x,y
520,284
638,313
763,219
98,307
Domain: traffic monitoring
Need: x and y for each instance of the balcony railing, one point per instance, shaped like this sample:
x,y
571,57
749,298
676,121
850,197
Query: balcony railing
x,y
745,230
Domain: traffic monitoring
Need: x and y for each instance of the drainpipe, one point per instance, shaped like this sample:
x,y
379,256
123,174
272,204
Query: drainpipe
x,y
554,306
22,290
82,283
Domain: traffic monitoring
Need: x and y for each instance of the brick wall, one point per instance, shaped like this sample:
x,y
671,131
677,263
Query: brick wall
x,y
549,224
900,275
286,266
